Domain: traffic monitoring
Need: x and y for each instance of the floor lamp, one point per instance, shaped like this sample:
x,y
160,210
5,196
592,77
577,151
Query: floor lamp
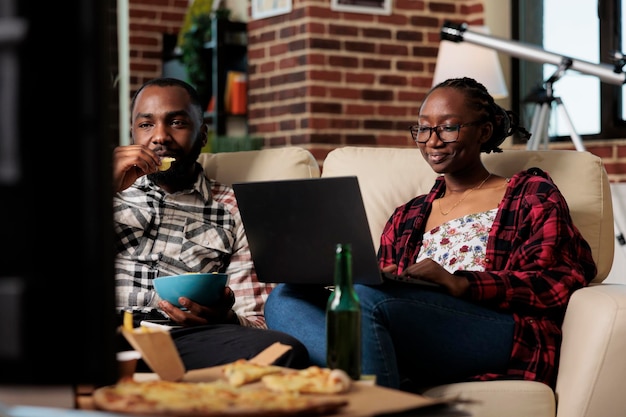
x,y
456,60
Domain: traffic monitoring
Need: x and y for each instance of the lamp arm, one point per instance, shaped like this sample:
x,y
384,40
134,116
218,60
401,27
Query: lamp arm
x,y
459,32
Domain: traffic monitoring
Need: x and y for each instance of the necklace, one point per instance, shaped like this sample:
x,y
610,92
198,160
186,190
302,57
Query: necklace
x,y
445,213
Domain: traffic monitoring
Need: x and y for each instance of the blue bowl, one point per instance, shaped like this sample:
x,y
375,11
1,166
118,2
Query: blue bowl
x,y
205,289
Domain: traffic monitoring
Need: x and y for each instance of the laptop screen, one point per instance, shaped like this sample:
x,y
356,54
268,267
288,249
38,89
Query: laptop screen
x,y
294,225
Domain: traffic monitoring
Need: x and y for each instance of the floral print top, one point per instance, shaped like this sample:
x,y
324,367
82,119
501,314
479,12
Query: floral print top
x,y
460,244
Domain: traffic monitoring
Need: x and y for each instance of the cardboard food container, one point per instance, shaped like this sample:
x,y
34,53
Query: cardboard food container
x,y
364,399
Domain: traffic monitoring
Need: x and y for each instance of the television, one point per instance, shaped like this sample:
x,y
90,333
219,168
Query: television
x,y
57,312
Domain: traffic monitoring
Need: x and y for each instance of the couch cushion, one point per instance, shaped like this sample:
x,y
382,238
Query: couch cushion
x,y
388,177
260,165
500,398
391,176
582,179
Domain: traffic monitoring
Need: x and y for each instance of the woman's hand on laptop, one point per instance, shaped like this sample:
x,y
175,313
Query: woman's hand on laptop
x,y
431,271
196,314
390,268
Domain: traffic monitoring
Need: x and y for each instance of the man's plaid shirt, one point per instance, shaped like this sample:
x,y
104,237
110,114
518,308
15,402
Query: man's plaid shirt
x,y
197,230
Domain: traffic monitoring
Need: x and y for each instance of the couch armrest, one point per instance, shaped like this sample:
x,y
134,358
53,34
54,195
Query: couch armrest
x,y
592,371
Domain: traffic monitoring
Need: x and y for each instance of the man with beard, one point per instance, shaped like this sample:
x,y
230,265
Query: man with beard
x,y
176,220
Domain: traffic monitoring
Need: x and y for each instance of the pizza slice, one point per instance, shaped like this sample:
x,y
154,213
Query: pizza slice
x,y
243,372
312,380
208,399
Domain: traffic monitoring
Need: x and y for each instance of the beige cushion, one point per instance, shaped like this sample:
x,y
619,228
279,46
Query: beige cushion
x,y
582,179
260,165
500,398
391,176
388,177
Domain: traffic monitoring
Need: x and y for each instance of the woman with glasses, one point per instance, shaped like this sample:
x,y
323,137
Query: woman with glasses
x,y
504,252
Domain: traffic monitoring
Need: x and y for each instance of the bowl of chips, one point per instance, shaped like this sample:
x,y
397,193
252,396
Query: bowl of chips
x,y
202,288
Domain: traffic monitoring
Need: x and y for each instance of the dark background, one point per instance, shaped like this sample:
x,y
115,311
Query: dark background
x,y
57,316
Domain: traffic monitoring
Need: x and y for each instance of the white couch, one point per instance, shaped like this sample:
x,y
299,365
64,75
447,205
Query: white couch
x,y
593,355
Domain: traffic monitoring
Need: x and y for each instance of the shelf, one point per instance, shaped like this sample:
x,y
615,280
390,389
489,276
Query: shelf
x,y
228,51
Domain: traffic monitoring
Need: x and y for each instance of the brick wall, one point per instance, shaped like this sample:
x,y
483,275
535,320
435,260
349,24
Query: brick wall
x,y
148,20
322,79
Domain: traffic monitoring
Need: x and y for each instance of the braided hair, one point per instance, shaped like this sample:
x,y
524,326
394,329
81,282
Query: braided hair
x,y
505,122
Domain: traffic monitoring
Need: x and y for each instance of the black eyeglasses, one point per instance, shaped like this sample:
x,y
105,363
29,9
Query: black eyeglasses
x,y
445,133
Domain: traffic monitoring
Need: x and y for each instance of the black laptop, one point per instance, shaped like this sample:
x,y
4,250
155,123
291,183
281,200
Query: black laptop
x,y
294,225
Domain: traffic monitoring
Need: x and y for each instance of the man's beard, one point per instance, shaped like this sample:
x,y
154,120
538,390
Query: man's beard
x,y
180,169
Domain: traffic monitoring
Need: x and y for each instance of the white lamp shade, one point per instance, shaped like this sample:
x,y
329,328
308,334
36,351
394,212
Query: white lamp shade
x,y
462,59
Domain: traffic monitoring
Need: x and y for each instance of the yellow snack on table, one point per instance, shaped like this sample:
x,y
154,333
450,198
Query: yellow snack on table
x,y
128,320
